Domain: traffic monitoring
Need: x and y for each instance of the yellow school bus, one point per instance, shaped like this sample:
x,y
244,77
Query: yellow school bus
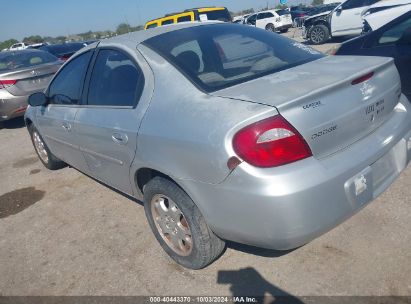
x,y
190,15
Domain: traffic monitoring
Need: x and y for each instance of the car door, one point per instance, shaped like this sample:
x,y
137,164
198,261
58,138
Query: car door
x,y
261,21
108,124
55,121
346,18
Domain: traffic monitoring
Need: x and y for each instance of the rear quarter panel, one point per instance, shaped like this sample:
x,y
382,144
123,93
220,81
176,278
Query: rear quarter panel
x,y
186,133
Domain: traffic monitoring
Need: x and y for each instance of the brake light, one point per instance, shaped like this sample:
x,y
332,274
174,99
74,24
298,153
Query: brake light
x,y
7,83
271,142
362,78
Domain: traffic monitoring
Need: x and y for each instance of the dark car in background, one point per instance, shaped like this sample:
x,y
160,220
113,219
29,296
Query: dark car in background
x,y
390,40
23,73
63,51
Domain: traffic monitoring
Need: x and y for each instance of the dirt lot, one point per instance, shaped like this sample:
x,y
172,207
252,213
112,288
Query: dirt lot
x,y
62,233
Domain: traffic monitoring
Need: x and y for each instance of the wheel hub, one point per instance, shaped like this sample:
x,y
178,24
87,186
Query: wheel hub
x,y
171,224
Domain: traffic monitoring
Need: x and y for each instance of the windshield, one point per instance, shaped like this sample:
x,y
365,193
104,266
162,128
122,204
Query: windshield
x,y
221,55
23,59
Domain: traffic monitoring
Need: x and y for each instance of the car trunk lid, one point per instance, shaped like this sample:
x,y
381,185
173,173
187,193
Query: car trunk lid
x,y
333,102
30,80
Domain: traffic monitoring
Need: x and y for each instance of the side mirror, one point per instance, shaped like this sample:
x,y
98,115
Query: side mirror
x,y
38,99
405,37
339,10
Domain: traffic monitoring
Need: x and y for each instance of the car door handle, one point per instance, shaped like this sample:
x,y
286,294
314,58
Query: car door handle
x,y
66,125
119,138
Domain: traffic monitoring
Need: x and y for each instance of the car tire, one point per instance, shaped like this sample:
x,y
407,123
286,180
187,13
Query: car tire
x,y
270,27
284,30
179,226
319,34
47,158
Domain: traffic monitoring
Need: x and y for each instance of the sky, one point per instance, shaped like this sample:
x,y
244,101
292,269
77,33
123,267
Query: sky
x,y
24,18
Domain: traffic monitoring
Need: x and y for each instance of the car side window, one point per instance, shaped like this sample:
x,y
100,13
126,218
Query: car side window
x,y
115,81
394,34
183,19
66,87
261,16
252,19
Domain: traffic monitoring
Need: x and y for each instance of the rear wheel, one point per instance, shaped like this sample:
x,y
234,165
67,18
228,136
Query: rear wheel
x,y
319,34
179,226
270,27
284,30
46,157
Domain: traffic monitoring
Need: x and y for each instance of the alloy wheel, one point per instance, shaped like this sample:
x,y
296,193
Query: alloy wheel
x,y
171,224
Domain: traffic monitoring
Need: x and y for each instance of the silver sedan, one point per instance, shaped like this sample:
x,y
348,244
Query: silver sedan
x,y
226,133
21,74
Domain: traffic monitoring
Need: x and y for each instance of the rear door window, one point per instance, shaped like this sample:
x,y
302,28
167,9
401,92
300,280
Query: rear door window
x,y
115,81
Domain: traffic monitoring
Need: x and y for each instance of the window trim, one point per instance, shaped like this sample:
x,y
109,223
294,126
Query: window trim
x,y
83,80
90,70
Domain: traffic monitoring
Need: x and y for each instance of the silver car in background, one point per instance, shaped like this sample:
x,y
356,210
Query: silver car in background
x,y
227,133
22,73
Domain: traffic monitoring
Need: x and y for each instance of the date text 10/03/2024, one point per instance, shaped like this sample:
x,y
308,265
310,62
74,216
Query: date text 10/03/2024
x,y
203,300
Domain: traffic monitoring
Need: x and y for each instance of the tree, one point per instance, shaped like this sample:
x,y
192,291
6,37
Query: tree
x,y
33,39
317,2
123,28
8,43
248,11
281,6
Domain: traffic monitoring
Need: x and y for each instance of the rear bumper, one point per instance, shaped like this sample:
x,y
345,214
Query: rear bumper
x,y
284,27
12,106
286,207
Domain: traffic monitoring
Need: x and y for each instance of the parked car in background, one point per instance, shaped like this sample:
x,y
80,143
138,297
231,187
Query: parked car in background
x,y
63,51
324,8
18,46
240,19
22,73
36,45
344,20
191,15
195,121
391,40
376,19
271,20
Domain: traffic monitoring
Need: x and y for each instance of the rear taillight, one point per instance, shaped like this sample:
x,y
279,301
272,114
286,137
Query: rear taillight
x,y
362,78
271,142
7,83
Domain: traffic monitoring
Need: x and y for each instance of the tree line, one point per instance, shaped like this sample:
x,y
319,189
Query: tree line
x,y
122,28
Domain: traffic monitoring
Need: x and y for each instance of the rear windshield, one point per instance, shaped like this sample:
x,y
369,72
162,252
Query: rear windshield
x,y
221,55
14,60
221,15
282,12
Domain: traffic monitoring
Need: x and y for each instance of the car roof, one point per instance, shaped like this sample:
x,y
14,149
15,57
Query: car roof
x,y
136,38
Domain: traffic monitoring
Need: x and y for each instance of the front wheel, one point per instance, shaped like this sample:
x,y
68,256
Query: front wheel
x,y
43,152
284,30
179,226
319,34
